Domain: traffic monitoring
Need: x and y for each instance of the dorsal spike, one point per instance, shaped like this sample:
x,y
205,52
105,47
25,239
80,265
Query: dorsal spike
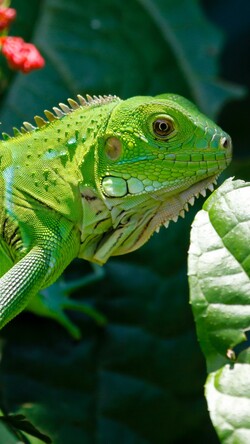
x,y
40,121
28,126
50,116
16,131
6,136
103,99
89,98
82,100
65,108
96,100
58,111
108,98
73,104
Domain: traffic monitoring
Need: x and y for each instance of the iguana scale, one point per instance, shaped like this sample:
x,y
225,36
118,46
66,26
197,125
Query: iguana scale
x,y
95,180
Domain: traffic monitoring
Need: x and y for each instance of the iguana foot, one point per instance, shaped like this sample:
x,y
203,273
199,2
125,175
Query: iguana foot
x,y
53,301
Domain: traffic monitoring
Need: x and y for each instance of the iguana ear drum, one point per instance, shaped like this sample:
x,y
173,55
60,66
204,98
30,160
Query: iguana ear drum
x,y
113,148
114,186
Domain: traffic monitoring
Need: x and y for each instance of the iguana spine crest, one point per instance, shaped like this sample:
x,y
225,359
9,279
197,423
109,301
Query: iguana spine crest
x,y
90,101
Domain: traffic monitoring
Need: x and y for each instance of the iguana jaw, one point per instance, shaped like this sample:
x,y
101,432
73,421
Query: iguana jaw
x,y
118,226
121,225
169,208
177,205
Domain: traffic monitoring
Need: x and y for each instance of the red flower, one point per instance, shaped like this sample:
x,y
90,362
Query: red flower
x,y
21,55
7,15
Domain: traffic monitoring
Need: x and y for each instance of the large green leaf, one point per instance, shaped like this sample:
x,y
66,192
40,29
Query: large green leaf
x,y
18,425
195,43
219,275
228,395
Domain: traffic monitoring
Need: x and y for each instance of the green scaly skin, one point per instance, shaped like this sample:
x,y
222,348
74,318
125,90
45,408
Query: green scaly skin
x,y
96,181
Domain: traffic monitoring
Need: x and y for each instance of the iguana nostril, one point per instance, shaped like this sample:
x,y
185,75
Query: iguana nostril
x,y
225,142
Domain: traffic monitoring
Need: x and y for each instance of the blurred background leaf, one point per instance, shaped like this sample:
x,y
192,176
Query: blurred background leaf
x,y
140,379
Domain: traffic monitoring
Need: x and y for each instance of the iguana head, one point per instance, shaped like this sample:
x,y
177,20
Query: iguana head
x,y
156,156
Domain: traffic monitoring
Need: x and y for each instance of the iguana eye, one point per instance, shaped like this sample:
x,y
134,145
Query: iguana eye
x,y
162,127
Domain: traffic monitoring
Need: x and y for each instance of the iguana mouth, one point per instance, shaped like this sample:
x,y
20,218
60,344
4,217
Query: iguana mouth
x,y
179,204
169,208
122,227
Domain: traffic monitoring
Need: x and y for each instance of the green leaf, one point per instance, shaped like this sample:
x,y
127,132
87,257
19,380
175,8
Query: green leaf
x,y
7,436
195,44
19,422
219,277
228,396
219,270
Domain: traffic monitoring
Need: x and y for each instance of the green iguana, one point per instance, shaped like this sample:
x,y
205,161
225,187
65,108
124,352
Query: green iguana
x,y
96,180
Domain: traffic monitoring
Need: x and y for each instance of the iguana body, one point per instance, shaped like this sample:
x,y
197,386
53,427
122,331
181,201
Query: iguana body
x,y
97,181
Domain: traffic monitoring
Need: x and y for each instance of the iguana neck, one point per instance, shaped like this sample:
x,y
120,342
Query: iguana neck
x,y
117,226
55,157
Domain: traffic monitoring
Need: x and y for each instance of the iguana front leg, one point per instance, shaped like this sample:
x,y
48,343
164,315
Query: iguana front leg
x,y
40,267
21,282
